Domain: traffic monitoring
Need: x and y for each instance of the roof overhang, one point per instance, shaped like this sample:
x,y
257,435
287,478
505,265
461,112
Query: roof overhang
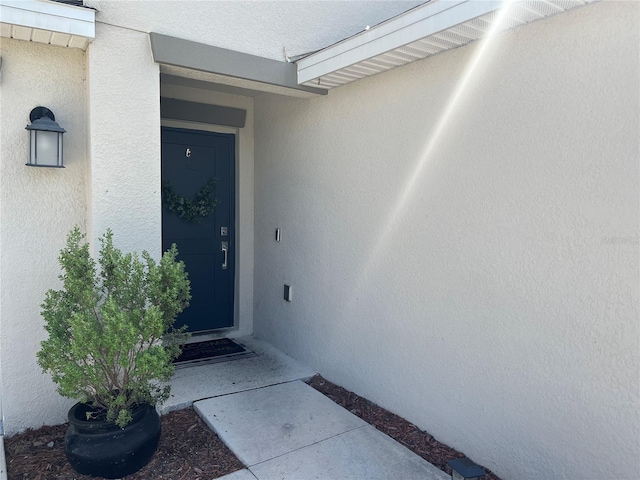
x,y
205,63
426,30
47,22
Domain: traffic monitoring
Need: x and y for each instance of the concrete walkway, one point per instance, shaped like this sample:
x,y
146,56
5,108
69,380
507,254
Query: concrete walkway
x,y
267,367
3,462
281,428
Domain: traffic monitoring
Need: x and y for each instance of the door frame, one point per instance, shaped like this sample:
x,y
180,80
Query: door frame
x,y
205,127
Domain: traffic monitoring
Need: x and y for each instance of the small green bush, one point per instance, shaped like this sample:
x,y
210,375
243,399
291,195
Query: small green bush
x,y
111,336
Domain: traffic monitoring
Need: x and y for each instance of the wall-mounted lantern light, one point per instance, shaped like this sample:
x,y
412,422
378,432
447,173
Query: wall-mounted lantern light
x,y
45,139
465,469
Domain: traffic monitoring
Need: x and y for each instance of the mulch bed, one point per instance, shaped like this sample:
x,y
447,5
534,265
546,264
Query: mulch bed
x,y
190,451
402,431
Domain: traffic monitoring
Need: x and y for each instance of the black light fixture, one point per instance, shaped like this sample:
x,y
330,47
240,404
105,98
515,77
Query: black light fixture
x,y
465,469
45,139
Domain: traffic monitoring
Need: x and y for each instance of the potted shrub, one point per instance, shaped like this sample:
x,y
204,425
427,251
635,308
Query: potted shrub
x,y
110,346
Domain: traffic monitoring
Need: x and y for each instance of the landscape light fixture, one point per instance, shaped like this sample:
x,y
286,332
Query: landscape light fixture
x,y
465,469
45,139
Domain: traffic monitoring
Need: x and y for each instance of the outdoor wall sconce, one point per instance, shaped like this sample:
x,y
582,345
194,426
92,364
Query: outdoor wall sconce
x,y
465,469
45,139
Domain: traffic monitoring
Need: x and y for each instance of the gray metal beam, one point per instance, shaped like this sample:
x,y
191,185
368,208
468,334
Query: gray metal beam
x,y
168,79
207,58
203,113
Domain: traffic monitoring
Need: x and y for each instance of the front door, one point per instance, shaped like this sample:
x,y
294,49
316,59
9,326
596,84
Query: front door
x,y
193,164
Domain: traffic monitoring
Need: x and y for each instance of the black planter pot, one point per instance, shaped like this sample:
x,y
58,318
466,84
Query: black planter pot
x,y
103,449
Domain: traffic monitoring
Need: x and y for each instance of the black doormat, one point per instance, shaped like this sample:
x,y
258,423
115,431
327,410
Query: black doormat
x,y
207,350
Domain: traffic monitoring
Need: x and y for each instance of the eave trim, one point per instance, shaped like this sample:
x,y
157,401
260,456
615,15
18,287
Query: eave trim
x,y
47,22
408,27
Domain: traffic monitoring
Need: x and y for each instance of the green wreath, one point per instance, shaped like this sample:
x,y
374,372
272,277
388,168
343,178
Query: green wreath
x,y
190,210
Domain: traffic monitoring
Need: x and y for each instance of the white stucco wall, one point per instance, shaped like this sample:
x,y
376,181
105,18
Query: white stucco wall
x,y
488,292
38,206
262,28
124,139
244,219
123,85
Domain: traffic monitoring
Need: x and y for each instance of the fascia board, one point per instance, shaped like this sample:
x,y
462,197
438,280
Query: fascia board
x,y
406,28
49,16
191,55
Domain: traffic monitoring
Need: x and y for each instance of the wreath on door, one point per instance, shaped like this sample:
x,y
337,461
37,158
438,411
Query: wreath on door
x,y
190,210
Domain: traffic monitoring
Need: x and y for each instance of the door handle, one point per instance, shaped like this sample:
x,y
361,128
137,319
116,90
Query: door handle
x,y
225,254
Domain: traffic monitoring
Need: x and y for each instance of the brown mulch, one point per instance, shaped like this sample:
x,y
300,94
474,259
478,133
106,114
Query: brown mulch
x,y
189,450
402,431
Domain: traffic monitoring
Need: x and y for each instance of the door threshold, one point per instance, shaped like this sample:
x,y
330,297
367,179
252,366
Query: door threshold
x,y
219,359
206,335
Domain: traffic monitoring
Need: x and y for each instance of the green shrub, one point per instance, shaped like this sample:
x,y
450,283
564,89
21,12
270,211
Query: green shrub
x,y
111,336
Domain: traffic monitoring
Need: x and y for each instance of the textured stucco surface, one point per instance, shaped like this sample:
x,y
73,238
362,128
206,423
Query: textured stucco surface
x,y
124,140
489,293
260,28
244,220
38,206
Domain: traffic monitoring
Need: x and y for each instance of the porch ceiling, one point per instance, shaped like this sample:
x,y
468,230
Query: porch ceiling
x,y
48,22
206,63
188,77
426,30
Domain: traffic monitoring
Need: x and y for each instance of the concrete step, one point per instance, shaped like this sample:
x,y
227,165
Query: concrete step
x,y
268,367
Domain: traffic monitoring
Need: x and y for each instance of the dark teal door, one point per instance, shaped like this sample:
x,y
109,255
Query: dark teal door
x,y
206,243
